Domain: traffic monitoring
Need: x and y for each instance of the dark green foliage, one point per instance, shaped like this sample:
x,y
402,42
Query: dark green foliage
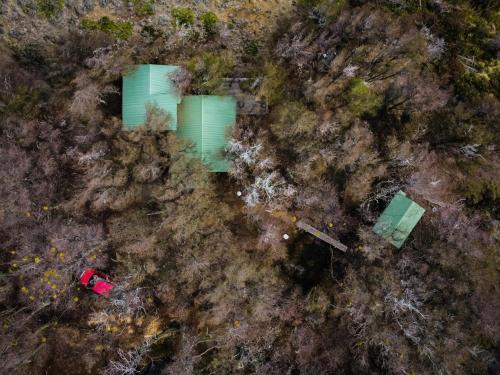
x,y
251,48
31,56
182,17
471,86
118,29
404,7
470,58
458,126
307,3
210,22
484,194
151,32
49,8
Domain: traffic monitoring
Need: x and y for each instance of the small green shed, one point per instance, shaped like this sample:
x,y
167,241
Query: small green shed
x,y
149,84
398,219
205,120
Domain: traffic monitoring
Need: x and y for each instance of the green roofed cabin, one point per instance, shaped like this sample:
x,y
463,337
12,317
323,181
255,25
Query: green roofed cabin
x,y
205,120
149,84
398,219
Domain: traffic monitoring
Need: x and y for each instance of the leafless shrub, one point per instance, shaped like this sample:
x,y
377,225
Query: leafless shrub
x,y
97,152
470,151
130,362
157,119
350,71
463,231
295,47
271,237
128,301
384,191
247,154
185,360
20,340
147,173
357,147
269,188
254,167
435,45
47,258
181,79
100,321
373,246
87,98
110,62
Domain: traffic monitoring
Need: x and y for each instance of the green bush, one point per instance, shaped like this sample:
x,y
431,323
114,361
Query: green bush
x,y
484,194
273,85
49,8
182,17
210,22
143,8
294,122
119,29
471,85
151,32
25,102
361,98
208,70
30,55
251,48
459,126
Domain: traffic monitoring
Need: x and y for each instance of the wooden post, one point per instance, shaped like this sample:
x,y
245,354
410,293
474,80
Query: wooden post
x,y
322,236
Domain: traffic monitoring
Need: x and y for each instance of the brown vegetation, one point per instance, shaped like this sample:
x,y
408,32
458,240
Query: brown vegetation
x,y
365,99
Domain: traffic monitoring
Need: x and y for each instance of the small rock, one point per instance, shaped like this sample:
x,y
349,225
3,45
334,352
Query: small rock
x,y
163,19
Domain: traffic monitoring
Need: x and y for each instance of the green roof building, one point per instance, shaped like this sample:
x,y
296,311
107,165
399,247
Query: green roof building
x,y
149,84
398,219
205,120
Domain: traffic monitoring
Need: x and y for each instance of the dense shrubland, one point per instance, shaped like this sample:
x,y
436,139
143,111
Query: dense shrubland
x,y
365,98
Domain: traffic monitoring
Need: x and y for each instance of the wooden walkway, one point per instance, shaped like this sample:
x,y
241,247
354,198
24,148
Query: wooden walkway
x,y
321,236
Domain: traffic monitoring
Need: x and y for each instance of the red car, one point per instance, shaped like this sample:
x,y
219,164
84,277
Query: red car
x,y
97,282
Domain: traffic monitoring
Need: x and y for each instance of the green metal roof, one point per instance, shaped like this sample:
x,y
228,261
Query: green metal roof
x,y
149,84
398,219
205,120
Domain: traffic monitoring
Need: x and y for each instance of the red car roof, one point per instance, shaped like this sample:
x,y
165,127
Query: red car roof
x,y
86,275
102,286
